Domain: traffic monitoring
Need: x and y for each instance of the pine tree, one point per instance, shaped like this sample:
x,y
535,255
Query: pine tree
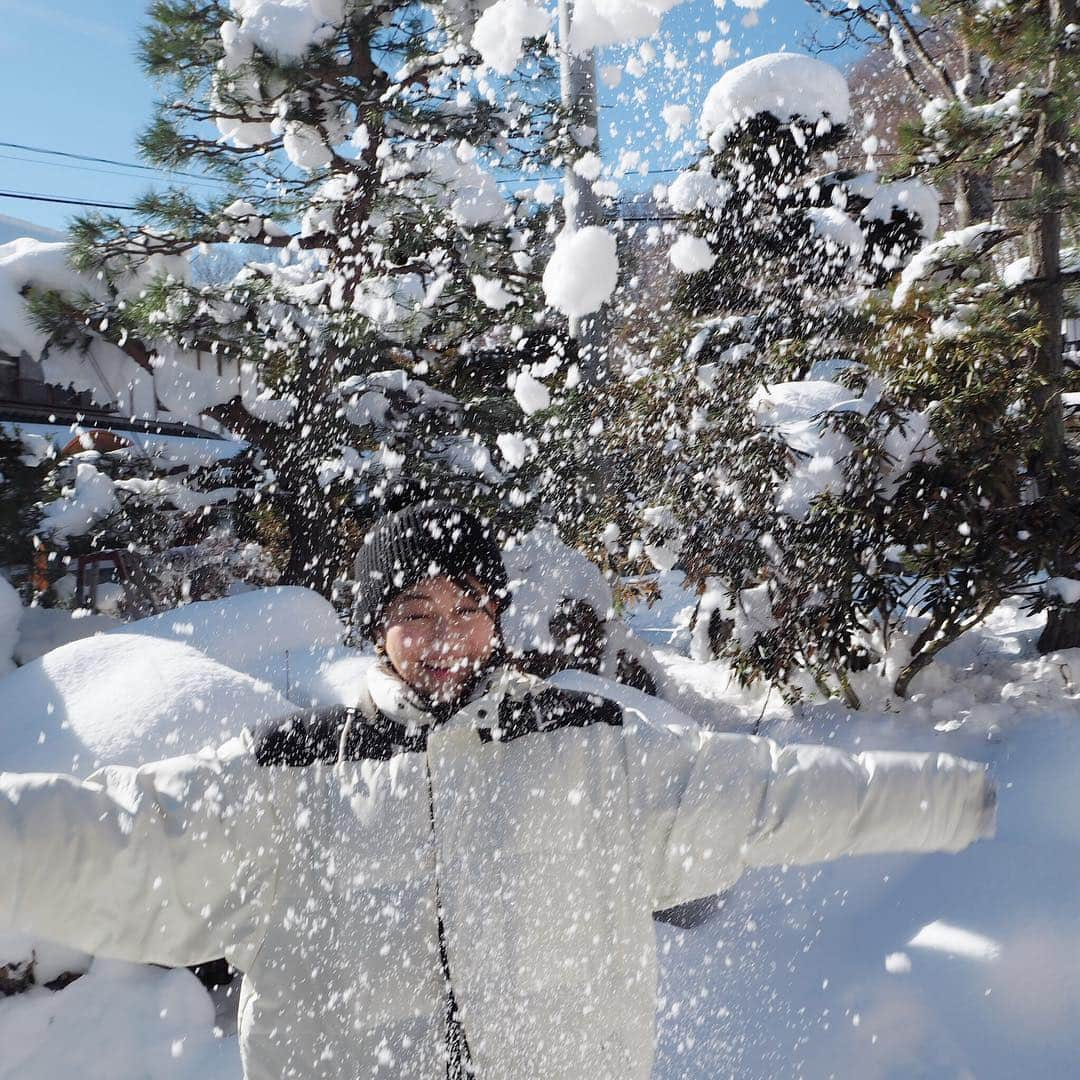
x,y
1030,129
353,146
998,125
759,458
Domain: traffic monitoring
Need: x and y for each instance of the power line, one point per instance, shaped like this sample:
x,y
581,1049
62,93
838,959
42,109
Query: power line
x,y
64,165
110,161
63,199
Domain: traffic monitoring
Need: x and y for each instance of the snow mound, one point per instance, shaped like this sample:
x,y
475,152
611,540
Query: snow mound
x,y
786,85
122,698
118,1020
250,632
321,678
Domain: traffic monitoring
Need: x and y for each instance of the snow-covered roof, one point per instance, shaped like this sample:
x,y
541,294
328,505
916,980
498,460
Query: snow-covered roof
x,y
192,450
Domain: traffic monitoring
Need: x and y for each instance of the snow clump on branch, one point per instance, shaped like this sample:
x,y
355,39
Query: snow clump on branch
x,y
787,86
502,29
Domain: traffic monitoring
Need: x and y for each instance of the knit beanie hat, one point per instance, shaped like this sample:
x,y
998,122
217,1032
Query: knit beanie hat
x,y
427,539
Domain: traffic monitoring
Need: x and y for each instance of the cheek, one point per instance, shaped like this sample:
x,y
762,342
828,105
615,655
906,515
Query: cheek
x,y
481,639
405,642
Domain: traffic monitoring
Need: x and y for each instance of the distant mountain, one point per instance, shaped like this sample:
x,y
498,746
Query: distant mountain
x,y
11,228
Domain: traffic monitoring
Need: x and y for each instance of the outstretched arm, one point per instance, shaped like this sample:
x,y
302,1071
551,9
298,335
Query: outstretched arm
x,y
710,805
172,863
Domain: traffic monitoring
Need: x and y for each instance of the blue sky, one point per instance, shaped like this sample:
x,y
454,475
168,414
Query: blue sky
x,y
71,82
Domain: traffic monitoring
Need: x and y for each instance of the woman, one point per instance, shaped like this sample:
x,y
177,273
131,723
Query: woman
x,y
456,878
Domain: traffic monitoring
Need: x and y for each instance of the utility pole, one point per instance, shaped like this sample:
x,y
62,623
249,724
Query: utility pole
x,y
581,206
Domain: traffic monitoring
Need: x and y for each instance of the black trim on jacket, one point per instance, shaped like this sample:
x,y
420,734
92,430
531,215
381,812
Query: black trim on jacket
x,y
316,736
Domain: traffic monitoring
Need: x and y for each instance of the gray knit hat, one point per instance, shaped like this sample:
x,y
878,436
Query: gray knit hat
x,y
427,539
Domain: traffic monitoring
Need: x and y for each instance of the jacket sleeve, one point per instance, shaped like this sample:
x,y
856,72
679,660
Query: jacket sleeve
x,y
171,863
707,805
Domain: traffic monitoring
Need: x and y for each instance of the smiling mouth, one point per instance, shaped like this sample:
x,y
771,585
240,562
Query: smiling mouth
x,y
440,672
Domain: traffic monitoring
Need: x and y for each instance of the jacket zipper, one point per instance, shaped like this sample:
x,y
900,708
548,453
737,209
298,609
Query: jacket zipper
x,y
458,1061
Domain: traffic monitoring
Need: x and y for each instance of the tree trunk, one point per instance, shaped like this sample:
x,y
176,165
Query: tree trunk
x,y
314,544
1062,630
1044,249
974,190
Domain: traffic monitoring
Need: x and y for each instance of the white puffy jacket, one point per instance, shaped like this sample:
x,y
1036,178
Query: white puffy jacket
x,y
544,826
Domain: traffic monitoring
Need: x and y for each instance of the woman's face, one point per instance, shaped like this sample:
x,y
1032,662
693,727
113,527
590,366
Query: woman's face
x,y
437,635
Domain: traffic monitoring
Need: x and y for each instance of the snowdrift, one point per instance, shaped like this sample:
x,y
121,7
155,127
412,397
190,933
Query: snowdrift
x,y
252,631
124,699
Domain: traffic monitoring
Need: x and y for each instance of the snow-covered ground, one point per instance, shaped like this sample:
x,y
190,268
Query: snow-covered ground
x,y
893,967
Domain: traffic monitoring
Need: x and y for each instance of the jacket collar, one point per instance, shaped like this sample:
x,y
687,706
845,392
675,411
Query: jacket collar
x,y
393,698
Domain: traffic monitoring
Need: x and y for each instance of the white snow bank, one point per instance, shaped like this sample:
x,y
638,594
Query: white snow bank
x,y
250,632
118,1022
787,85
582,272
11,611
320,677
122,698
